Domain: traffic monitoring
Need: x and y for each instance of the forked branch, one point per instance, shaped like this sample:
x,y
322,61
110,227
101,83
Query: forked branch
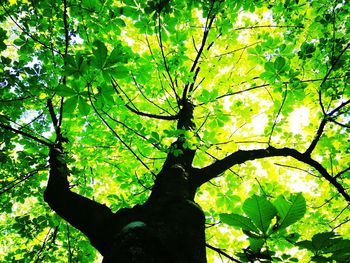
x,y
133,109
211,171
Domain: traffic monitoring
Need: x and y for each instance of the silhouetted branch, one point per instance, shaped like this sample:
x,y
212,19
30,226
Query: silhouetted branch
x,y
16,99
12,185
215,169
340,124
26,32
297,168
317,137
323,123
267,26
342,172
116,134
278,114
208,24
9,128
221,252
334,63
146,97
264,85
135,110
160,40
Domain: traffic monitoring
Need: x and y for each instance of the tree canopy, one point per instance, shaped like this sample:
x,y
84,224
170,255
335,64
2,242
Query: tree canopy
x,y
269,85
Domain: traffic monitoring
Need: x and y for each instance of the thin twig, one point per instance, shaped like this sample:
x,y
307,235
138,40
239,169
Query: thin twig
x,y
221,252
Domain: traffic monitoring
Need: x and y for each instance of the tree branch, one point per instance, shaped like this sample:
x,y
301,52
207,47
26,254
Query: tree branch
x,y
323,123
172,85
26,33
211,171
208,24
278,114
221,252
136,111
9,128
116,134
317,137
12,185
334,64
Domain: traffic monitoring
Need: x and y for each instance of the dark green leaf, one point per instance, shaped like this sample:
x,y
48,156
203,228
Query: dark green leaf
x,y
256,243
279,63
83,106
100,54
64,91
239,221
260,211
290,212
70,104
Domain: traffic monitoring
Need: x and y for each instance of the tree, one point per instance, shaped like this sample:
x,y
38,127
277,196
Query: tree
x,y
168,117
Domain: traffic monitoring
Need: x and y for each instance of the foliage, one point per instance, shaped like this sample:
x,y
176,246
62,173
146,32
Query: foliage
x,y
270,85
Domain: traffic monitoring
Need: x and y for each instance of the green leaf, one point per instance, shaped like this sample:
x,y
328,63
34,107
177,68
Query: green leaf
x,y
19,42
64,91
269,67
322,240
83,107
290,212
118,55
279,64
256,243
239,221
327,243
119,22
70,104
100,53
269,76
260,211
121,72
307,244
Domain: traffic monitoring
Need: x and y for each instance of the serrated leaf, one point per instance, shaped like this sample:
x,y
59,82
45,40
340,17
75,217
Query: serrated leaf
x,y
260,211
322,240
290,212
239,221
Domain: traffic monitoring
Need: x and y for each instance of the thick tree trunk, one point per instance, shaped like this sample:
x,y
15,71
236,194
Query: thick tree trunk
x,y
169,227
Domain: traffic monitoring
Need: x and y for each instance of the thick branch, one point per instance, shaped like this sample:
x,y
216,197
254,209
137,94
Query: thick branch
x,y
211,171
186,155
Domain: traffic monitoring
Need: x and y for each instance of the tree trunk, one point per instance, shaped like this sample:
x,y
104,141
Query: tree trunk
x,y
168,227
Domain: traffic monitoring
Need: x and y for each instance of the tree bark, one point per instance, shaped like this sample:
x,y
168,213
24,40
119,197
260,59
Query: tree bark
x,y
168,227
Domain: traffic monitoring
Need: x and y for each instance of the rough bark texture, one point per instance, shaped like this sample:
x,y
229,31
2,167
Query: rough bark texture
x,y
168,227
